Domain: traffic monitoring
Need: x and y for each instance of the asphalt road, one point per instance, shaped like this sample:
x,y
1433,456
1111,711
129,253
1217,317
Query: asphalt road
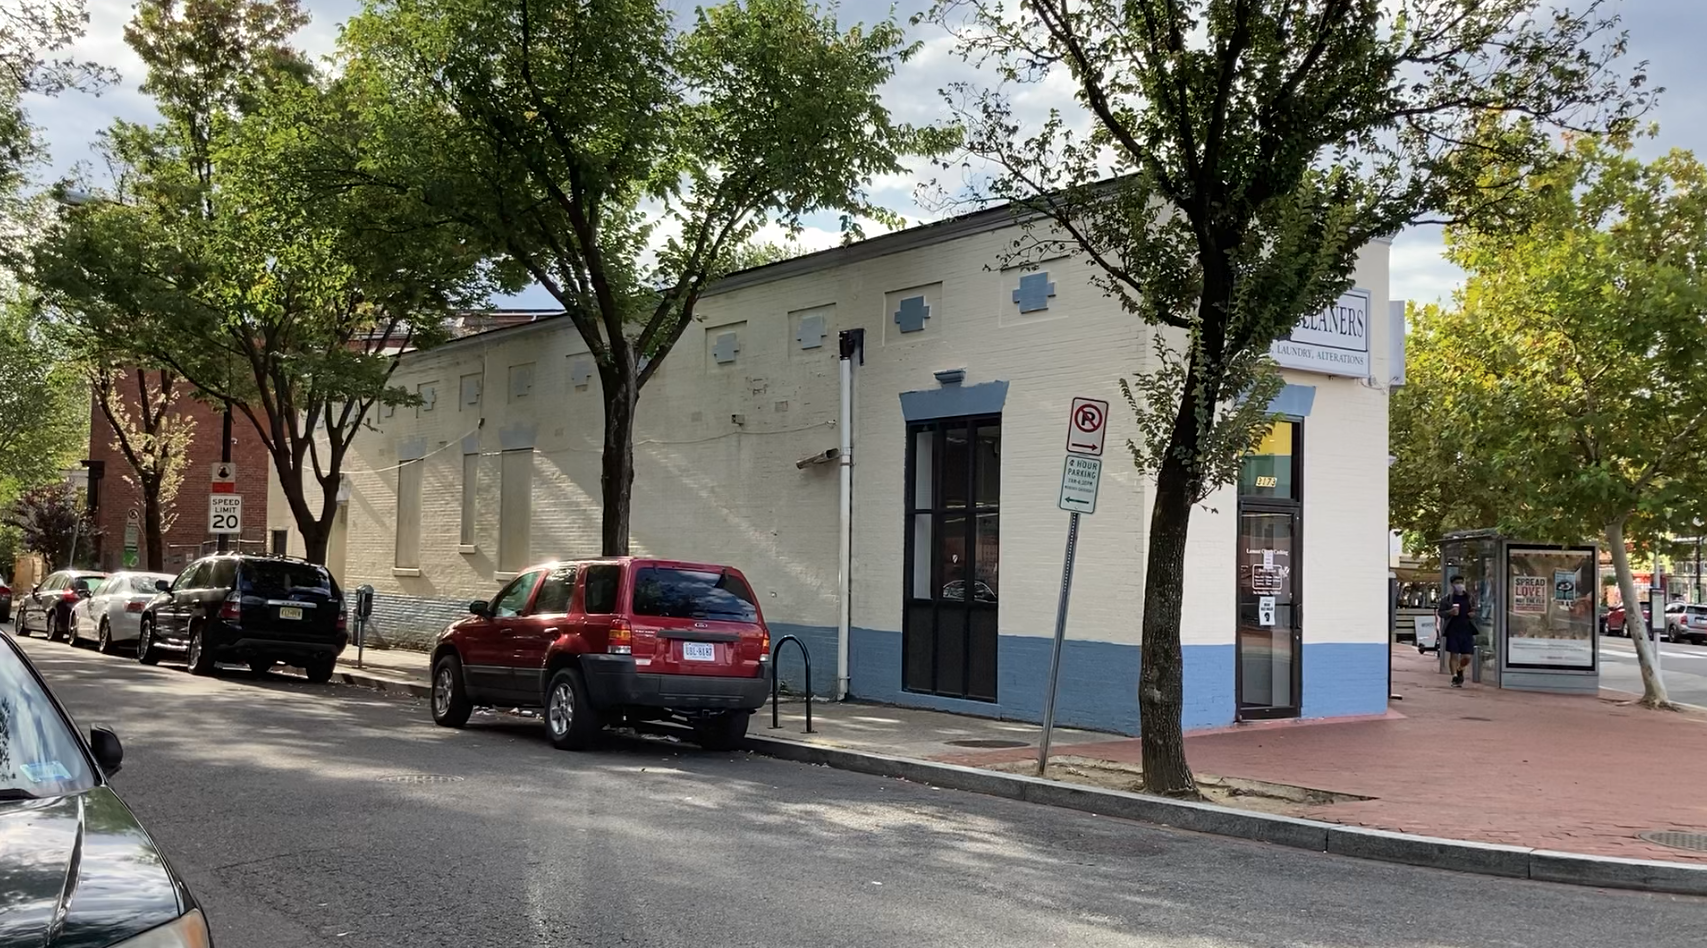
x,y
1683,666
281,803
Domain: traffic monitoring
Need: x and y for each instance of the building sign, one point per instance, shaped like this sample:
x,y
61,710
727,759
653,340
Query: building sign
x,y
1334,341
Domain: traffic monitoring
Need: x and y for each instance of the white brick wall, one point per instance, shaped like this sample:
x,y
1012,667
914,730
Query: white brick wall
x,y
711,488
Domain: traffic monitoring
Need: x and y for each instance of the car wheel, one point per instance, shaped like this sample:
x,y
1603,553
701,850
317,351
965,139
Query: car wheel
x,y
104,638
451,706
569,717
200,659
319,669
55,631
723,732
261,667
146,653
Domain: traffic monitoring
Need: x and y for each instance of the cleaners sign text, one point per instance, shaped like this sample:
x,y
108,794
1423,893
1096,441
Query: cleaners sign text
x,y
1334,341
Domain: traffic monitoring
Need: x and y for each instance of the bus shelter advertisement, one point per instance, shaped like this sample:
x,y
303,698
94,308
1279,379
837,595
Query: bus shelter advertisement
x,y
1550,618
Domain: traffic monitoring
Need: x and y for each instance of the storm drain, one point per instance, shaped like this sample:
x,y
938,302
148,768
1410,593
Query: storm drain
x,y
1695,842
988,743
420,778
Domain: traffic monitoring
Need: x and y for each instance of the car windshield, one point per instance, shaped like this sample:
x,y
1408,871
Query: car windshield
x,y
676,593
143,582
39,754
281,578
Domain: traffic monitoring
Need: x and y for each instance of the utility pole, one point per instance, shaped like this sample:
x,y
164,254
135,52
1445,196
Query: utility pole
x,y
224,539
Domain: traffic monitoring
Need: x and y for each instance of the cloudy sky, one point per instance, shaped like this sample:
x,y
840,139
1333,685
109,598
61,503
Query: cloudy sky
x,y
1666,33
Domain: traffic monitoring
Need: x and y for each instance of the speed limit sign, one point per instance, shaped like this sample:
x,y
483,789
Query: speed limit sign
x,y
225,513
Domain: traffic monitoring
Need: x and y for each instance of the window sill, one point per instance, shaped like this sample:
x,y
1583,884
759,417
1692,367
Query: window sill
x,y
404,571
467,548
504,577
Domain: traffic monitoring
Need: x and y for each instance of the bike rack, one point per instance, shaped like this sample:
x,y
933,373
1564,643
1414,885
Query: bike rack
x,y
805,657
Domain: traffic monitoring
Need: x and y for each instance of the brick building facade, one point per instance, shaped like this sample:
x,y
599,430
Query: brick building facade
x,y
187,538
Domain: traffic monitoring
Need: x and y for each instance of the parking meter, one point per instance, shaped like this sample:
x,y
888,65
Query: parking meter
x,y
364,609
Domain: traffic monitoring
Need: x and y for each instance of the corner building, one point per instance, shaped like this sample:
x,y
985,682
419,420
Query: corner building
x,y
960,406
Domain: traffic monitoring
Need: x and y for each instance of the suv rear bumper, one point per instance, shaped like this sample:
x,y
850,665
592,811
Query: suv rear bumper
x,y
234,644
613,682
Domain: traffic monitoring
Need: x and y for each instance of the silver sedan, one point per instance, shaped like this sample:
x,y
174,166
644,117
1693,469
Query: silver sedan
x,y
111,612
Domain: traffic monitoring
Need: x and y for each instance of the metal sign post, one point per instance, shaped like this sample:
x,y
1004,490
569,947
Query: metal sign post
x,y
1081,474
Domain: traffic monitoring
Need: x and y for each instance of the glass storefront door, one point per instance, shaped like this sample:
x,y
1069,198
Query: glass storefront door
x,y
1269,634
948,631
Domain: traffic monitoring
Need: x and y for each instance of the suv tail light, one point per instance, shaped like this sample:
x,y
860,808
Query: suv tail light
x,y
765,646
343,622
70,595
621,640
231,609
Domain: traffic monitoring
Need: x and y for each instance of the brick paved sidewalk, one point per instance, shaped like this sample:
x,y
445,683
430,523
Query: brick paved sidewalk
x,y
1576,774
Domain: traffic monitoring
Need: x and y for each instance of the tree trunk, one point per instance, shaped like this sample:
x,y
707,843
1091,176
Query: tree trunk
x,y
316,530
153,540
314,540
1161,674
616,477
1653,686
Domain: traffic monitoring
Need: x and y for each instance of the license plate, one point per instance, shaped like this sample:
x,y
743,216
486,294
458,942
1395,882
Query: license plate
x,y
290,612
699,652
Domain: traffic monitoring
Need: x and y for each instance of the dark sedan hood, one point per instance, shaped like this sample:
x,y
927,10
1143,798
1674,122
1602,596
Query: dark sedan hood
x,y
78,871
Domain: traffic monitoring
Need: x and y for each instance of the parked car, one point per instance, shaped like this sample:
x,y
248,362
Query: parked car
x,y
5,601
599,642
47,608
258,610
1688,623
79,868
1613,624
112,613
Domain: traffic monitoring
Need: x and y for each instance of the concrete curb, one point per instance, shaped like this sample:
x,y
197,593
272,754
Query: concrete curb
x,y
362,679
1515,862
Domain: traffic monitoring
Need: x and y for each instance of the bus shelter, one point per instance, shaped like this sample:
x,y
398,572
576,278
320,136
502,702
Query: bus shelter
x,y
1535,610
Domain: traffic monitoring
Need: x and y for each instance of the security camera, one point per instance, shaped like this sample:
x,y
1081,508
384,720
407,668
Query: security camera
x,y
822,457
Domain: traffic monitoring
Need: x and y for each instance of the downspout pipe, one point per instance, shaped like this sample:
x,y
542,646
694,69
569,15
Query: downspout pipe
x,y
852,346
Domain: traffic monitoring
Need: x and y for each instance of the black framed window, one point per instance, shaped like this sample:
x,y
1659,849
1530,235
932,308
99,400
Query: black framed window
x,y
953,557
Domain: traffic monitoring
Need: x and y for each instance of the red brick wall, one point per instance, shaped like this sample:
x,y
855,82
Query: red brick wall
x,y
183,540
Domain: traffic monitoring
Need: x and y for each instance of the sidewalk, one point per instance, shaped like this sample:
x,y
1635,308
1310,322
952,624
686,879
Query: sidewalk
x,y
1553,772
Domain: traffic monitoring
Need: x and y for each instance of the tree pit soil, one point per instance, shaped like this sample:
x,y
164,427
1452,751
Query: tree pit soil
x,y
1239,792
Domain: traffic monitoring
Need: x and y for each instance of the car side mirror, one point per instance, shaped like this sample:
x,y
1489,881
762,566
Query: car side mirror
x,y
163,585
109,753
480,607
80,590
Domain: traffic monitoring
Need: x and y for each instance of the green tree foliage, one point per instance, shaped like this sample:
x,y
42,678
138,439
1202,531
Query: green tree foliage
x,y
44,414
1255,147
208,255
34,37
1562,391
620,161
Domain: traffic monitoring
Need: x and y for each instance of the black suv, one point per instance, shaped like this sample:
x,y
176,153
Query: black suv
x,y
257,610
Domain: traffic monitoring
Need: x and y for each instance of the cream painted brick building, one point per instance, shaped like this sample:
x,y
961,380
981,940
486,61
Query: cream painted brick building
x,y
752,389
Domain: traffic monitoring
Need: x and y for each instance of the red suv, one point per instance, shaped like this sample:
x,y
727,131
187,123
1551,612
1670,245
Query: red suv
x,y
598,642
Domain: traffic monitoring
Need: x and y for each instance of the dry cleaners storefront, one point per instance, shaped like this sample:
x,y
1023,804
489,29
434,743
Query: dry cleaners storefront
x,y
875,435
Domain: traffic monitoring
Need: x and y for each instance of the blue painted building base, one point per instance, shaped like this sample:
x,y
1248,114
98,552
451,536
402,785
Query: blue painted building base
x,y
1099,680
